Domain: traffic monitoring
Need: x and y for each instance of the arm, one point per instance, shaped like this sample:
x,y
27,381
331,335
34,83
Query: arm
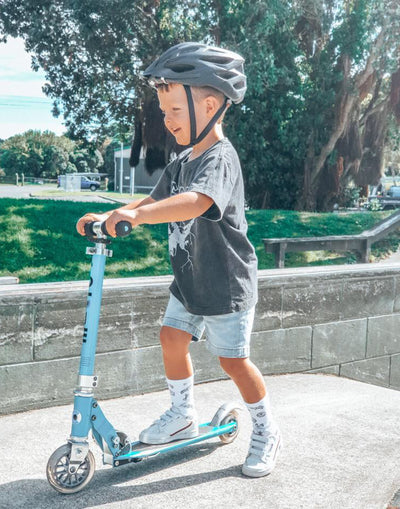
x,y
88,218
134,204
180,207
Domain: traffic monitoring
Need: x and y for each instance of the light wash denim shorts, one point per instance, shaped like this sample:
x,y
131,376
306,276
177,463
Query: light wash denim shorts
x,y
227,335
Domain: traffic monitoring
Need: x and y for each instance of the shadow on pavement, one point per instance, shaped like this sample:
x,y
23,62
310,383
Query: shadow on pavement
x,y
107,487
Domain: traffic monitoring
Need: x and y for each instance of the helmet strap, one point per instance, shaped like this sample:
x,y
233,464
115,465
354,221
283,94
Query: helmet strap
x,y
192,116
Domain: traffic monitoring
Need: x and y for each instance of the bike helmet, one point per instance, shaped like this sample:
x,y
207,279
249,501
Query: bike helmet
x,y
194,64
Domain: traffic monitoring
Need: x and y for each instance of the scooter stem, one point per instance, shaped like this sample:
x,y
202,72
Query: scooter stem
x,y
81,419
90,330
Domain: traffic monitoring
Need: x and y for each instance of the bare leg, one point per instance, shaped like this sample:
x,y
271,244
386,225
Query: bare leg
x,y
246,376
175,347
265,439
180,421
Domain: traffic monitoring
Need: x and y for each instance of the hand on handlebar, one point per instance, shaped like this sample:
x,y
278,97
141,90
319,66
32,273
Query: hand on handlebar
x,y
120,215
89,218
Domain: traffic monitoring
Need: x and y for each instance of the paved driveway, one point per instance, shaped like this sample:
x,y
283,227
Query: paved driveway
x,y
10,191
32,191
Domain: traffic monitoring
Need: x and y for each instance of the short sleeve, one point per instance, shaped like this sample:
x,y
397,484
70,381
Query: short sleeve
x,y
215,178
162,189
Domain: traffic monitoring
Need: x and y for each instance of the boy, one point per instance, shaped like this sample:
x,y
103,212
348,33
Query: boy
x,y
201,196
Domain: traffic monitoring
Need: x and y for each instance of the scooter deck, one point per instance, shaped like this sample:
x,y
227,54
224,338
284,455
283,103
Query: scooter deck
x,y
139,450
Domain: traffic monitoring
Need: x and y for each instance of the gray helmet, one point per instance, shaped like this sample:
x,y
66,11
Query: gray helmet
x,y
194,64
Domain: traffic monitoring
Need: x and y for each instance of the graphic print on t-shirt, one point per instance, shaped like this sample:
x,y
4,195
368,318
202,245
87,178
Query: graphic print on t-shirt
x,y
180,235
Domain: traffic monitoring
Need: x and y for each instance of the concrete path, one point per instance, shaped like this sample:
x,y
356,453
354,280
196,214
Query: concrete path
x,y
341,448
392,259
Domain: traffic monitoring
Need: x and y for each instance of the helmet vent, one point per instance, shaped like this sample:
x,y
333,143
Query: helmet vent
x,y
216,59
226,75
239,85
181,67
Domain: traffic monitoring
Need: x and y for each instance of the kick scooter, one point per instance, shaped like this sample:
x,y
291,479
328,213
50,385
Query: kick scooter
x,y
71,467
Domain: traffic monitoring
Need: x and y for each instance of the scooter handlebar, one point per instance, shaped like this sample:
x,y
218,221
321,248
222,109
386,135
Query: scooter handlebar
x,y
122,229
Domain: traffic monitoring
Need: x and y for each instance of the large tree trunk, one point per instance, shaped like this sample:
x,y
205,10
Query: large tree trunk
x,y
350,94
307,201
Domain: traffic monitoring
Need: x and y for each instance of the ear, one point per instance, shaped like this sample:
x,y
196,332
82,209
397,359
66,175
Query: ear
x,y
212,105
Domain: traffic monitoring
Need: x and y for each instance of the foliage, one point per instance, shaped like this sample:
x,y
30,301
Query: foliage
x,y
355,52
323,85
43,154
374,205
40,243
348,197
92,51
267,129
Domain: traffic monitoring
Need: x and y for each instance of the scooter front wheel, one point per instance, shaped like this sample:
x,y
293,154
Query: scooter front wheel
x,y
227,438
59,475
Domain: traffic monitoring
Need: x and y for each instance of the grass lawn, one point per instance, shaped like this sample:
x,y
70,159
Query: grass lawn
x,y
39,242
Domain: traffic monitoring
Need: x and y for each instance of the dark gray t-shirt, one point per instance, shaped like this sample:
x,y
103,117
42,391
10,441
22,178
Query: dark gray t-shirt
x,y
214,264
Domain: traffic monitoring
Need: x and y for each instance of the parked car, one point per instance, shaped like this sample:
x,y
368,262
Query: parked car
x,y
389,200
86,183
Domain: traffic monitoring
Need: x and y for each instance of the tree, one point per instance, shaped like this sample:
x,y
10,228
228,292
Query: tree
x,y
353,51
92,52
268,128
43,154
322,89
323,82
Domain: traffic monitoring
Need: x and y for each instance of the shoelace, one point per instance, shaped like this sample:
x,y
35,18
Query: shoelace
x,y
258,442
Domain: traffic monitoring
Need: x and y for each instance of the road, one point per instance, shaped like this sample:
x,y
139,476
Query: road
x,y
31,191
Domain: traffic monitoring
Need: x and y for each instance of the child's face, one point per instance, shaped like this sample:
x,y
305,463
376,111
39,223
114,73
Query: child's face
x,y
174,105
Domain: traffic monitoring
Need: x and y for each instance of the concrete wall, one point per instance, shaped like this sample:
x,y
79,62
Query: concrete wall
x,y
340,319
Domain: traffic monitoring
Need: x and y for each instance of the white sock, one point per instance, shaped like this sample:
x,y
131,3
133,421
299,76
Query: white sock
x,y
182,397
261,415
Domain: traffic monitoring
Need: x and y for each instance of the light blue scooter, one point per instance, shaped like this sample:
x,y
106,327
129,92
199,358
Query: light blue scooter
x,y
71,467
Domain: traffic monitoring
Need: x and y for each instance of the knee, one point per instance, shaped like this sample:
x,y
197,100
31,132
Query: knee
x,y
166,338
233,367
173,340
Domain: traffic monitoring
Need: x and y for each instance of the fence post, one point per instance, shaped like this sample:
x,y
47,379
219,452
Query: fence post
x,y
22,179
279,252
16,179
365,254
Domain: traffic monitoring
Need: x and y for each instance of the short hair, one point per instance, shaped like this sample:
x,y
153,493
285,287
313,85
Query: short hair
x,y
203,92
198,92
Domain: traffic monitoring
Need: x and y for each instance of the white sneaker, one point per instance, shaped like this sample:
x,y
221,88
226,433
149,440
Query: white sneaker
x,y
170,426
263,454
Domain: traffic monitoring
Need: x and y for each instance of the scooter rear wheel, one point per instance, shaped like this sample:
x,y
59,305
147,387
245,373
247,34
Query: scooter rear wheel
x,y
59,476
227,438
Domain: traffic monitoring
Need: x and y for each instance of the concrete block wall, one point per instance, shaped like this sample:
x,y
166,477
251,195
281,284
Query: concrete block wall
x,y
339,319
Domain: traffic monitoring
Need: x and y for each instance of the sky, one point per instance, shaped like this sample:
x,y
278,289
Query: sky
x,y
23,105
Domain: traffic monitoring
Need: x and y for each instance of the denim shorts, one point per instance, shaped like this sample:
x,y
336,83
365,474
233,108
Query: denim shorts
x,y
227,335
